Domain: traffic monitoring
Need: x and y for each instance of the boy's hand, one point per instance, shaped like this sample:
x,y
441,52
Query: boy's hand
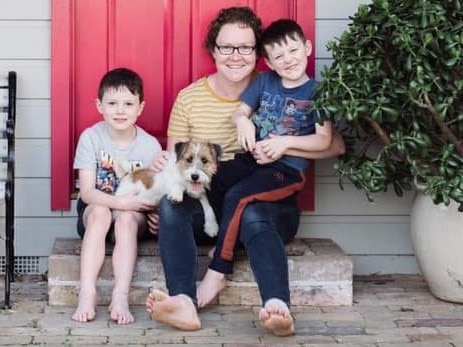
x,y
274,147
131,202
259,155
160,161
246,131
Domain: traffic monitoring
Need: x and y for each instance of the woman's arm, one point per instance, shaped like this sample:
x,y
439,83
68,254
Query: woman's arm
x,y
162,157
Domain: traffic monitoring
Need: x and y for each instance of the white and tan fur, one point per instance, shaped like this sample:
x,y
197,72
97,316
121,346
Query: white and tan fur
x,y
189,169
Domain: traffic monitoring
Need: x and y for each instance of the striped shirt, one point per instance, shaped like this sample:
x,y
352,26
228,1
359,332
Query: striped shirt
x,y
200,114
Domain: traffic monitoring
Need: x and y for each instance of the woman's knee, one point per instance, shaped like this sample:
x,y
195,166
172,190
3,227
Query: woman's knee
x,y
173,214
169,211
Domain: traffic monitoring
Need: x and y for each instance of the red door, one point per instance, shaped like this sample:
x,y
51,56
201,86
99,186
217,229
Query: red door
x,y
161,40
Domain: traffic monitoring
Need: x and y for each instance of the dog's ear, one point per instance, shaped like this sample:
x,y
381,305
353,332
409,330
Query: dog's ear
x,y
218,150
179,148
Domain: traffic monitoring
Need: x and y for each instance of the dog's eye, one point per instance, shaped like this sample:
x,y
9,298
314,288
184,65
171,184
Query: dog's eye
x,y
189,160
204,160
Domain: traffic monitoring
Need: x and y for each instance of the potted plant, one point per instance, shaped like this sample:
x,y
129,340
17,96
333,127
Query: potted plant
x,y
395,89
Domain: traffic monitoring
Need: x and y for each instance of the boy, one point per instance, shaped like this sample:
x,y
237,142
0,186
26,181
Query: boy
x,y
120,102
271,169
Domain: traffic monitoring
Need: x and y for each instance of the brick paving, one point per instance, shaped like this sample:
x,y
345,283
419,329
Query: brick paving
x,y
387,311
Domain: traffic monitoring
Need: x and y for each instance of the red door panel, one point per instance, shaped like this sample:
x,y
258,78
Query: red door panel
x,y
90,61
131,46
162,40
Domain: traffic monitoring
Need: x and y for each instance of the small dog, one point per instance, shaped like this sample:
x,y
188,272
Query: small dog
x,y
189,169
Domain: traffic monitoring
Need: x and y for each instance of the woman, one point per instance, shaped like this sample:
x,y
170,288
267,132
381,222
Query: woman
x,y
203,111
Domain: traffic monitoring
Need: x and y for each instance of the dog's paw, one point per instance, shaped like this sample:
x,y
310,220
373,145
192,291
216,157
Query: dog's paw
x,y
175,198
211,228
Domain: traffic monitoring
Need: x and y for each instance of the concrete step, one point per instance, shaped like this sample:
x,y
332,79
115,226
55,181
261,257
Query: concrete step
x,y
320,274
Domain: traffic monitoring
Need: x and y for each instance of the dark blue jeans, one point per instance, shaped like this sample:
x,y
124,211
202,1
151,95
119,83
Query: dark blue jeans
x,y
238,183
265,228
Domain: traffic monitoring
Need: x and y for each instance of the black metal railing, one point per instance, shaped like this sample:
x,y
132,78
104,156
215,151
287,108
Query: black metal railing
x,y
7,126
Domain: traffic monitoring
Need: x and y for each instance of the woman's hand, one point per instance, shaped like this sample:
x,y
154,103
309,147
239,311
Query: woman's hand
x,y
153,222
160,161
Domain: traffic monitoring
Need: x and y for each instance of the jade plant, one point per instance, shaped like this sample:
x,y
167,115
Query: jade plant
x,y
395,90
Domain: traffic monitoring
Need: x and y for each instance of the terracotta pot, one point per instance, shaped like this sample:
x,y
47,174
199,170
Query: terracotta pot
x,y
437,236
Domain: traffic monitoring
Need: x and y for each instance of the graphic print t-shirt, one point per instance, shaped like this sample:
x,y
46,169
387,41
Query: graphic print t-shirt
x,y
281,111
95,151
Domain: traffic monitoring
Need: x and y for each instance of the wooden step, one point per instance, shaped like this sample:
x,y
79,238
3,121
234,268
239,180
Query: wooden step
x,y
320,274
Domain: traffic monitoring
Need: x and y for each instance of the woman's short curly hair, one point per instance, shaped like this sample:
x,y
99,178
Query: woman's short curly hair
x,y
245,16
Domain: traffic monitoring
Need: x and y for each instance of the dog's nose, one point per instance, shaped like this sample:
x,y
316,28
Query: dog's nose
x,y
194,177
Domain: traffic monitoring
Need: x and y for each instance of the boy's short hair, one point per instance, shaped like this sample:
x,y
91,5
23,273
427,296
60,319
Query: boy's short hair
x,y
121,77
279,31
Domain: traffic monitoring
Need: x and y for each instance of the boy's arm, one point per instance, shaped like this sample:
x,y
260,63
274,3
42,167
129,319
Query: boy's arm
x,y
300,146
90,195
317,142
336,147
246,131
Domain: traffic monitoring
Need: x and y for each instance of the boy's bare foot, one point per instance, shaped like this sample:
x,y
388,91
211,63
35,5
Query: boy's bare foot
x,y
211,285
177,311
276,317
85,311
119,309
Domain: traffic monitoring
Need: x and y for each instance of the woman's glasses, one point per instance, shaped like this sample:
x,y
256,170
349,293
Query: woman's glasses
x,y
242,50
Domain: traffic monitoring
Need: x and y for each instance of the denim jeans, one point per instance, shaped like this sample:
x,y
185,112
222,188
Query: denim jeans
x,y
238,183
265,228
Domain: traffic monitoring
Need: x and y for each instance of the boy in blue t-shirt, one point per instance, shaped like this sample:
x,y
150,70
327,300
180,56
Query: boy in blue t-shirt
x,y
272,117
280,100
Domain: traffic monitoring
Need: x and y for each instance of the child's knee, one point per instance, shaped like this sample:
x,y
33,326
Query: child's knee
x,y
97,214
127,219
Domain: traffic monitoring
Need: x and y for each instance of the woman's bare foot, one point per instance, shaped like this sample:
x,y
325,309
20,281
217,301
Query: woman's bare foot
x,y
177,311
276,317
119,309
85,311
211,285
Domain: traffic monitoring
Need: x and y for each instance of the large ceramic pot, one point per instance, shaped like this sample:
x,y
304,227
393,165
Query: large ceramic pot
x,y
437,237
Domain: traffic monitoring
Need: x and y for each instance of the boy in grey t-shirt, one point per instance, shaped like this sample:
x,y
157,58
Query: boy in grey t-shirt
x,y
120,102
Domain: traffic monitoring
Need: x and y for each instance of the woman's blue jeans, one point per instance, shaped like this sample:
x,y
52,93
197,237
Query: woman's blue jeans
x,y
265,228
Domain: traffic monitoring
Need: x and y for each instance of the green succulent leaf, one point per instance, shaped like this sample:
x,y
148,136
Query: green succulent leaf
x,y
395,89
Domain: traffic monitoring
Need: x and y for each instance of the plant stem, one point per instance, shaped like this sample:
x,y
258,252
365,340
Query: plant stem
x,y
377,128
443,127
